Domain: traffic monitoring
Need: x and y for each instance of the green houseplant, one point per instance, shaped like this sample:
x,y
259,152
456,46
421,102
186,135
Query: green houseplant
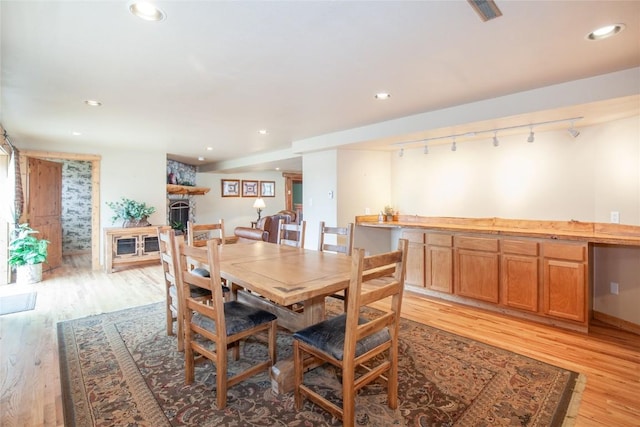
x,y
132,213
27,253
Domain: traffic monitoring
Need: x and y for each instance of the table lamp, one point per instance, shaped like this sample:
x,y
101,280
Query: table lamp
x,y
259,205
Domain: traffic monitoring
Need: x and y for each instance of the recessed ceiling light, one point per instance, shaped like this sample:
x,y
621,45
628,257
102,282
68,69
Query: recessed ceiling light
x,y
76,133
209,148
262,132
93,103
606,31
277,169
382,95
147,11
201,158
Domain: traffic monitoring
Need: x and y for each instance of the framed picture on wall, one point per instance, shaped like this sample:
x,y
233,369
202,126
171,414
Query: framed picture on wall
x,y
230,187
249,188
267,189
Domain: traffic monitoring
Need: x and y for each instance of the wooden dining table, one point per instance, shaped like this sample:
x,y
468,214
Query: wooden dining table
x,y
289,282
282,279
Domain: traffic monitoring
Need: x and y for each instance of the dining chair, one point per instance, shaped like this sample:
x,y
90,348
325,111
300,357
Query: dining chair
x,y
198,234
167,241
342,243
352,340
343,236
225,324
291,234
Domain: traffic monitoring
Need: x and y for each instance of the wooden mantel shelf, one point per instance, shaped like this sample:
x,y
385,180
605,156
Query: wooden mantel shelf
x,y
186,189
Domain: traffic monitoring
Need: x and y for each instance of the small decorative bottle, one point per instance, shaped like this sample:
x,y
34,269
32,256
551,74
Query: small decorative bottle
x,y
380,217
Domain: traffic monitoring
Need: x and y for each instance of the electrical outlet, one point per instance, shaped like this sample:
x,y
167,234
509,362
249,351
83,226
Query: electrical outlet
x,y
614,288
367,211
615,217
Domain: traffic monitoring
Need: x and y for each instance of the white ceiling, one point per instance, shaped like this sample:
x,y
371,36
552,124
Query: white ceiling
x,y
215,72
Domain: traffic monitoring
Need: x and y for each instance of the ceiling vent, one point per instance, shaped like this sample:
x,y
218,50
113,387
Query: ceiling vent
x,y
487,9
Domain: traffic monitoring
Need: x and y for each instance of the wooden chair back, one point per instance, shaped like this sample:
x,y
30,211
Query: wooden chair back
x,y
343,236
198,234
165,234
372,345
167,240
291,234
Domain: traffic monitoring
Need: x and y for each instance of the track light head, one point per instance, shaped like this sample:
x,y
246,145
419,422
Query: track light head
x,y
453,146
495,139
531,136
573,131
426,149
401,153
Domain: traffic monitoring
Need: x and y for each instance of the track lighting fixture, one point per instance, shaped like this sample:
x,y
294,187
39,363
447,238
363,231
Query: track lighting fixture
x,y
573,131
509,130
531,136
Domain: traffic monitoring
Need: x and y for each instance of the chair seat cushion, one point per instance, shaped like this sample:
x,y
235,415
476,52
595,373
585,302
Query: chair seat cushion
x,y
328,336
196,292
203,272
238,317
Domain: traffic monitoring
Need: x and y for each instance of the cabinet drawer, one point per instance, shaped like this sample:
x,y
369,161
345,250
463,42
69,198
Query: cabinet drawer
x,y
476,243
520,247
440,239
413,236
564,251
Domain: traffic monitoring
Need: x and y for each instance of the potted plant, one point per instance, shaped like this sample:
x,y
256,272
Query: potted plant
x,y
132,213
388,211
27,253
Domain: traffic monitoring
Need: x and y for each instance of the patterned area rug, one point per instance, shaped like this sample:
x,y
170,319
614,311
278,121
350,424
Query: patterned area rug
x,y
122,369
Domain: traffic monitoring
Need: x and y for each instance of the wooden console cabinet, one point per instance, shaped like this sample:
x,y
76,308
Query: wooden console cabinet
x,y
130,246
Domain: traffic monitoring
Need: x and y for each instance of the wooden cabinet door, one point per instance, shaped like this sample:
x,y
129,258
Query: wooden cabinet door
x,y
520,282
44,206
439,262
477,268
439,268
565,289
477,275
415,257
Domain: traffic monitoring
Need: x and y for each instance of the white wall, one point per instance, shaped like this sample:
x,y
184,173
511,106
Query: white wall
x,y
320,178
555,178
236,211
132,174
364,185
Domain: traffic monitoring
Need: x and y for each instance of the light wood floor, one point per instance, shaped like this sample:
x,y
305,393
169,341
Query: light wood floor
x,y
30,380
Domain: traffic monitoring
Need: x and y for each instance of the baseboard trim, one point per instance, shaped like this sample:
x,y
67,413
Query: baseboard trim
x,y
618,323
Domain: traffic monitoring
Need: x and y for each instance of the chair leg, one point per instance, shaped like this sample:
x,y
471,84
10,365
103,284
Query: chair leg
x,y
189,362
392,381
348,397
169,321
221,376
298,369
273,334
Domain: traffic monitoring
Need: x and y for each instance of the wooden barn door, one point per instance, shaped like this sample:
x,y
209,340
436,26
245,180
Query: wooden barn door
x,y
44,206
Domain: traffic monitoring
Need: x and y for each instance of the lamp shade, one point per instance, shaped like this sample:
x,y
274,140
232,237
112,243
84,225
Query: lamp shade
x,y
259,204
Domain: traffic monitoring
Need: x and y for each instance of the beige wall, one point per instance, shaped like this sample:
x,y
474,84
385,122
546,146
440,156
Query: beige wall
x,y
236,211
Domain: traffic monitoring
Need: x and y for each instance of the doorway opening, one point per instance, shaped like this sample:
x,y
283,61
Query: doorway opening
x,y
95,190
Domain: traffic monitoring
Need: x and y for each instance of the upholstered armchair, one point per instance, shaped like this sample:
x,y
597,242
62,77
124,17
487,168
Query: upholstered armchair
x,y
267,228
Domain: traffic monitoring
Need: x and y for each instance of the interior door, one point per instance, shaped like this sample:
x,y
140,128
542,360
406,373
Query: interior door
x,y
44,206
